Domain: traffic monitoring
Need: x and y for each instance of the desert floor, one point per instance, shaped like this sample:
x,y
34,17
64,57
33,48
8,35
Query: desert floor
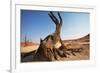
x,y
83,55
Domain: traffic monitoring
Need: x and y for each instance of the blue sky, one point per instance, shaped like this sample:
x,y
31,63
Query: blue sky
x,y
37,24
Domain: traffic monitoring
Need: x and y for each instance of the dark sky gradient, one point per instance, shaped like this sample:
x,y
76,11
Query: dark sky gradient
x,y
37,24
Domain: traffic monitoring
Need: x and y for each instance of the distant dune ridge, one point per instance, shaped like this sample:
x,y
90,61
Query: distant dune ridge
x,y
78,43
85,38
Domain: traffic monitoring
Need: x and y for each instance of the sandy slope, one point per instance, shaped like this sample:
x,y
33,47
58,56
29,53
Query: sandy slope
x,y
29,48
83,55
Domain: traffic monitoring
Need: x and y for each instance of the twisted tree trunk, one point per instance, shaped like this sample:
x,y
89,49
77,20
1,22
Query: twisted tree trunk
x,y
51,47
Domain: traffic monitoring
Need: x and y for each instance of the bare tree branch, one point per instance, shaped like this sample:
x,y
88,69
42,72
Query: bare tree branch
x,y
52,18
60,18
55,18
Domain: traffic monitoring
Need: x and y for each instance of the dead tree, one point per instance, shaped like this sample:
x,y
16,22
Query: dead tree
x,y
25,42
51,47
